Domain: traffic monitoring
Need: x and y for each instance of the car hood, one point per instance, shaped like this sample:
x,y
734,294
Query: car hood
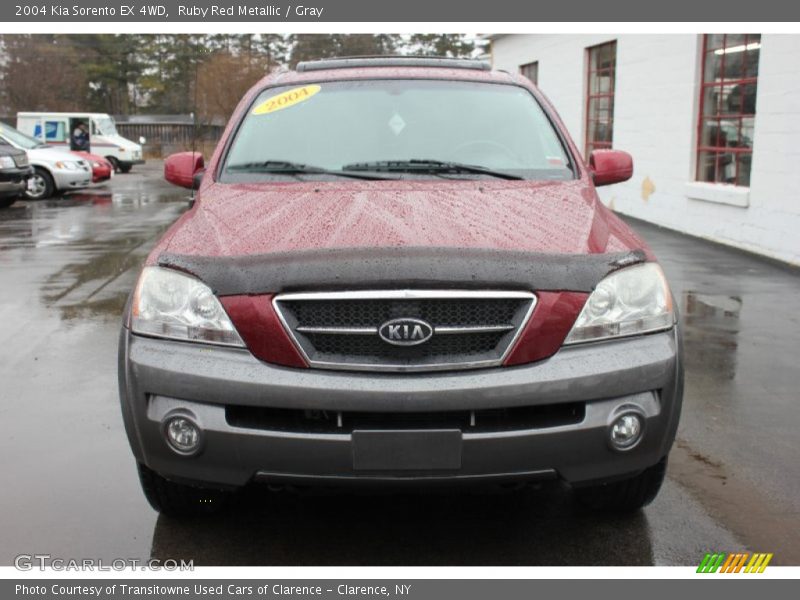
x,y
247,219
91,158
12,151
51,155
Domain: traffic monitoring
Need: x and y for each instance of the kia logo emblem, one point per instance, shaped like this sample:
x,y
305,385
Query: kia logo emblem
x,y
405,332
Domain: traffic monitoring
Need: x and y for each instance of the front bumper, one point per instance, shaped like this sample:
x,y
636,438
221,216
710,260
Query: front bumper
x,y
14,182
102,174
160,377
13,188
71,179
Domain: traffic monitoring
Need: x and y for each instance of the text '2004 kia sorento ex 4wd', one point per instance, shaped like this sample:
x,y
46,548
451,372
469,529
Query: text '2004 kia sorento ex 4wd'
x,y
398,271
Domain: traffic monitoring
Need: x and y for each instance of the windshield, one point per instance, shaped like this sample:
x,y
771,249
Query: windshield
x,y
19,139
106,126
357,124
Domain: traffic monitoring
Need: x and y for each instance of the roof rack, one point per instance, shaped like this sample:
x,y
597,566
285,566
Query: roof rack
x,y
357,62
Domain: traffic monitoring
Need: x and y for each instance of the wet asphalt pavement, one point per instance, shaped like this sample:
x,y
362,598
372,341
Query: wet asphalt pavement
x,y
70,486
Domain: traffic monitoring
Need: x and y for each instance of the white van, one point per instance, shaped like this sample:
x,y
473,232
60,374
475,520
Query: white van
x,y
101,137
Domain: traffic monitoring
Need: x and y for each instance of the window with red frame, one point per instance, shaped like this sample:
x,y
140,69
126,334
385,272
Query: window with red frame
x,y
727,108
602,69
531,71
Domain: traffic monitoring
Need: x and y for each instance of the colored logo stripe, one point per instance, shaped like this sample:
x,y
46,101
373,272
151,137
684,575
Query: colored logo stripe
x,y
758,563
734,562
711,562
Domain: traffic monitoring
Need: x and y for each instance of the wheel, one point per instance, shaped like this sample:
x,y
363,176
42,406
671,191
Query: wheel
x,y
125,168
628,495
177,499
6,202
114,163
40,185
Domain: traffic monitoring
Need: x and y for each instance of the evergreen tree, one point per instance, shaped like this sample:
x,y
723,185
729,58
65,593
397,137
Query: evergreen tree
x,y
124,74
445,44
316,46
113,65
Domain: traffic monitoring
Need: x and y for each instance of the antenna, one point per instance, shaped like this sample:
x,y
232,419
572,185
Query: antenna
x,y
194,127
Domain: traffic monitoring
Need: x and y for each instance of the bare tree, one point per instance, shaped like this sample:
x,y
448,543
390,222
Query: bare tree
x,y
42,72
223,80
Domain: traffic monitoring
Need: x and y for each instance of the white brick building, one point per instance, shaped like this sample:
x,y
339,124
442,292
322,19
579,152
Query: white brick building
x,y
732,176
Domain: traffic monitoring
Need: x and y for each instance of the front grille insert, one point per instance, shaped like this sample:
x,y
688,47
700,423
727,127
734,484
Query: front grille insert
x,y
519,418
343,330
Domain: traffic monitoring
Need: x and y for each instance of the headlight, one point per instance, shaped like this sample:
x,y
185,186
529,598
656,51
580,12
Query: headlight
x,y
6,162
96,165
68,164
628,302
172,305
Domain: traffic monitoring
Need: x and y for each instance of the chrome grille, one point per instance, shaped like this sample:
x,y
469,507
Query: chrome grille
x,y
340,330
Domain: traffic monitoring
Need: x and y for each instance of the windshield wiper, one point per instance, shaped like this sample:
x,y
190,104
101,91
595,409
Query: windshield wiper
x,y
285,167
423,165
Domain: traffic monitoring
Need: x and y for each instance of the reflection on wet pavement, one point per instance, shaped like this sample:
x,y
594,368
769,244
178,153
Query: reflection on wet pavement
x,y
711,324
468,529
98,239
527,527
737,449
66,268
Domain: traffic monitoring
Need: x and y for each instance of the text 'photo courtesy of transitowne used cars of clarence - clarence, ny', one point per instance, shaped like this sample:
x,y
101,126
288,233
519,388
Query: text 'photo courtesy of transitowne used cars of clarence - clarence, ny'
x,y
397,272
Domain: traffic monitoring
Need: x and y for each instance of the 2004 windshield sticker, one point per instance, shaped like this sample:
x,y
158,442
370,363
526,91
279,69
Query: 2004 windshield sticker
x,y
286,99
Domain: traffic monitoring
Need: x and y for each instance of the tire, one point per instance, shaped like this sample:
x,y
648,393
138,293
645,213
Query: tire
x,y
114,163
179,500
125,168
40,185
628,495
6,202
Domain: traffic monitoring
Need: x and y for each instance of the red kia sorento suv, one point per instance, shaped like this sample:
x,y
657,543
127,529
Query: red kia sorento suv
x,y
398,271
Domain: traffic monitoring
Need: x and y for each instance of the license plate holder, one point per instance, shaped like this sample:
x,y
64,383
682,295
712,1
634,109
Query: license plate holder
x,y
407,450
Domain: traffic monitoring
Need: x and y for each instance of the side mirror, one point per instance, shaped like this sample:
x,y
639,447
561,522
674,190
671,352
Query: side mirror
x,y
142,140
610,166
181,168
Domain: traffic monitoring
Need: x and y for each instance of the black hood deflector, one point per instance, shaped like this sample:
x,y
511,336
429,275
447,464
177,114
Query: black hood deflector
x,y
399,268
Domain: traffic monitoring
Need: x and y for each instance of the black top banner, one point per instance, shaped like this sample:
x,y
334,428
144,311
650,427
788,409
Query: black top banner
x,y
338,11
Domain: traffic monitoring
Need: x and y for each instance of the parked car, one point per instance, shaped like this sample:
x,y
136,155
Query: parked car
x,y
102,138
102,170
14,173
54,171
398,271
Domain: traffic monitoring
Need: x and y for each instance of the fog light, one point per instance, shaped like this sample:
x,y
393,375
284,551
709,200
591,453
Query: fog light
x,y
183,435
626,431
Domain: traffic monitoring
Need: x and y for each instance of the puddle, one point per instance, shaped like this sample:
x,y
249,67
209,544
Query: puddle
x,y
711,328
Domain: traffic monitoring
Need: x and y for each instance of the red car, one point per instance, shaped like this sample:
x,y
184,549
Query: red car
x,y
102,170
398,271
